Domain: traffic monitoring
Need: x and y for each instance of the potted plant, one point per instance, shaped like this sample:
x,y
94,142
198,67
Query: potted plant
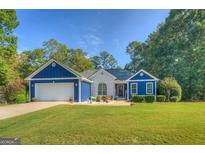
x,y
98,99
105,99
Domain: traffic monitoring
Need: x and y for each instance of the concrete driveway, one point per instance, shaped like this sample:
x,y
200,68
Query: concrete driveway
x,y
19,109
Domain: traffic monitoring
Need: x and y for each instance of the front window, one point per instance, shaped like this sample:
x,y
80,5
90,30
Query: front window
x,y
102,89
133,88
149,88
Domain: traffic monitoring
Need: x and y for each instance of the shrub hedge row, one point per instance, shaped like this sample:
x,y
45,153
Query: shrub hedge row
x,y
151,98
143,98
161,98
136,98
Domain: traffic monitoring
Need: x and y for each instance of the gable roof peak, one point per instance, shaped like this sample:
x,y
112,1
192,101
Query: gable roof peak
x,y
62,65
142,70
102,69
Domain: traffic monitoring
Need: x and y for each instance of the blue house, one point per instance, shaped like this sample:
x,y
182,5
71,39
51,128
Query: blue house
x,y
142,83
54,81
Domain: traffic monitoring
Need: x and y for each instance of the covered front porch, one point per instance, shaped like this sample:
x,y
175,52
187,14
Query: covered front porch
x,y
120,90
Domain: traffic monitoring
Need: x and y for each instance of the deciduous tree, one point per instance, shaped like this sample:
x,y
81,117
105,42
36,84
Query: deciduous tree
x,y
175,49
104,60
8,45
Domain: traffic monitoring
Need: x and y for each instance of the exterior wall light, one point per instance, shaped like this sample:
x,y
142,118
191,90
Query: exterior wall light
x,y
53,64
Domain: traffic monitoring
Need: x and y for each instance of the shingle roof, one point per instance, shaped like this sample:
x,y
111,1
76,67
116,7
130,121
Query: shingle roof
x,y
119,74
88,73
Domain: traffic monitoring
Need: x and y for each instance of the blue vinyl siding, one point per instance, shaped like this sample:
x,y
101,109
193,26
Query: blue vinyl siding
x,y
85,91
54,72
75,81
141,87
138,77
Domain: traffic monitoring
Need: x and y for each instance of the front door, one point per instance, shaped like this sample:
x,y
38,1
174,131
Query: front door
x,y
120,90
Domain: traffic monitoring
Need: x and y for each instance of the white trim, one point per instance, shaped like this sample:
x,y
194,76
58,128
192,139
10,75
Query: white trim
x,y
142,80
79,86
120,81
62,65
84,79
69,69
55,83
152,88
35,94
128,91
145,73
87,80
131,88
102,88
123,90
103,71
52,78
29,91
74,72
39,69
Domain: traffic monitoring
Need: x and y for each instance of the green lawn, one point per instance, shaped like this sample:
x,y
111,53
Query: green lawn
x,y
159,123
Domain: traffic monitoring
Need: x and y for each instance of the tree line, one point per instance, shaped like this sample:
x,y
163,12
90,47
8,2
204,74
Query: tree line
x,y
176,49
77,59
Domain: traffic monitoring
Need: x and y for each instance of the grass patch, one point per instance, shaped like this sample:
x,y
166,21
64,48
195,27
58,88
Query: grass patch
x,y
3,104
157,123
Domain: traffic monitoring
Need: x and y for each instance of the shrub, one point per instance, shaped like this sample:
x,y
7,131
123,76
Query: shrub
x,y
133,98
174,99
21,98
12,90
136,98
161,98
98,99
92,98
105,99
149,98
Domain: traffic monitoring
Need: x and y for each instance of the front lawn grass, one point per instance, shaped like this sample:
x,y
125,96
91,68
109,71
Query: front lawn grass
x,y
152,123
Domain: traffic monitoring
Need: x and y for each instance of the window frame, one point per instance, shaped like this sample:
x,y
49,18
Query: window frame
x,y
149,93
136,88
102,89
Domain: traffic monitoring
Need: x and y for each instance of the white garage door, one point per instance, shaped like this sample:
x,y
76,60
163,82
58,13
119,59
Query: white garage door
x,y
54,91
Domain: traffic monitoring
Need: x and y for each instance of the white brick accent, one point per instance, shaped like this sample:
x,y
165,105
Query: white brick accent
x,y
102,77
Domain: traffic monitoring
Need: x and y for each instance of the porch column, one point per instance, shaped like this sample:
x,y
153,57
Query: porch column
x,y
29,91
115,90
128,90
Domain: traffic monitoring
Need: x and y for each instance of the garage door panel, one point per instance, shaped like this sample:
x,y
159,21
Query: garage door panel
x,y
54,91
